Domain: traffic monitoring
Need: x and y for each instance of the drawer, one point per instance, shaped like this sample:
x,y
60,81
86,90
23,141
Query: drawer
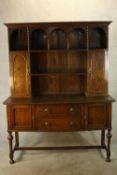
x,y
44,110
59,124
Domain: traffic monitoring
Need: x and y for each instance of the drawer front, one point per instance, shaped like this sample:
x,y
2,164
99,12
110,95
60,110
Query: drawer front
x,y
57,117
43,110
59,124
96,116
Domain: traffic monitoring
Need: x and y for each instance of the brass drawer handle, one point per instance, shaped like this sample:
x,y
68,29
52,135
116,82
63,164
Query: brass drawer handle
x,y
46,123
45,109
71,123
71,109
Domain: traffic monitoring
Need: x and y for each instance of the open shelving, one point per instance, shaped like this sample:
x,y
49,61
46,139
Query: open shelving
x,y
61,57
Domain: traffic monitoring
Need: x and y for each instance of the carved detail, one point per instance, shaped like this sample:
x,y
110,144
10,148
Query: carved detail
x,y
10,138
109,135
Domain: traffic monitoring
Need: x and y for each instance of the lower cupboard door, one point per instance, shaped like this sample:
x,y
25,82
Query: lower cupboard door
x,y
96,116
21,117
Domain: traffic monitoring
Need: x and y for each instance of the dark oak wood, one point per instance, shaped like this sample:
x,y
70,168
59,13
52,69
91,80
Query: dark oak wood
x,y
10,138
17,139
109,135
58,99
21,117
20,74
97,77
96,116
58,80
103,137
60,147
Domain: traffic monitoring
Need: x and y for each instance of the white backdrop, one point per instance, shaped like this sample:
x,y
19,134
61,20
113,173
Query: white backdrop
x,y
55,10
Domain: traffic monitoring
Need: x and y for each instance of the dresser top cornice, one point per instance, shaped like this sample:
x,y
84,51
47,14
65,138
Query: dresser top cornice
x,y
58,23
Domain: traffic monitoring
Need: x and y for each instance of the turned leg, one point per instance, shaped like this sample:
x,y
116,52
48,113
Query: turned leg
x,y
103,137
109,135
16,139
10,139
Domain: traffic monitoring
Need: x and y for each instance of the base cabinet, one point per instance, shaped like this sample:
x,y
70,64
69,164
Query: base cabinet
x,y
59,117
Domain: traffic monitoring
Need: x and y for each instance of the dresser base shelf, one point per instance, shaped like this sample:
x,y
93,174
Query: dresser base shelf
x,y
103,145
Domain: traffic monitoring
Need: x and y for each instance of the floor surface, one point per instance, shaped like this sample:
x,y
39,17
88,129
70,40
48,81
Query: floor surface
x,y
59,162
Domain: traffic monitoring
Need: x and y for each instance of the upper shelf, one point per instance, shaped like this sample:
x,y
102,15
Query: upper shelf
x,y
58,38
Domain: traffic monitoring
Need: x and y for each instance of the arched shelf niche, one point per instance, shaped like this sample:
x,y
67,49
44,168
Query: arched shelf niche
x,y
77,39
97,38
58,39
38,39
19,39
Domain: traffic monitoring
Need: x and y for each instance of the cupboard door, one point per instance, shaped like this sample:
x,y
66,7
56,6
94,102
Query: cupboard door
x,y
97,76
96,116
20,74
21,117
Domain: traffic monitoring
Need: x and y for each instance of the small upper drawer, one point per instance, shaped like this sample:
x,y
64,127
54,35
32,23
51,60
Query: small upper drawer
x,y
57,109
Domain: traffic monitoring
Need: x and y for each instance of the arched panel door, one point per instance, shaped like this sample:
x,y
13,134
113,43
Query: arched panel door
x,y
97,80
20,74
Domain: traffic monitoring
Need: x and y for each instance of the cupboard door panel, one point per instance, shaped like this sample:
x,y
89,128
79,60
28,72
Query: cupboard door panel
x,y
96,116
22,117
97,76
20,77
